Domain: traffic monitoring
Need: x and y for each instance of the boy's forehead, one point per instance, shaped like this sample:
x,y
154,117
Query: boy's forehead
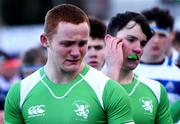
x,y
158,29
70,29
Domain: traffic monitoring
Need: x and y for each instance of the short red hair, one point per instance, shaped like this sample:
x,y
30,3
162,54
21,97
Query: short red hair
x,y
63,13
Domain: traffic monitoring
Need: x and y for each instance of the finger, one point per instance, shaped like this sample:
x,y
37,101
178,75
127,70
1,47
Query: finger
x,y
115,43
119,43
120,40
119,47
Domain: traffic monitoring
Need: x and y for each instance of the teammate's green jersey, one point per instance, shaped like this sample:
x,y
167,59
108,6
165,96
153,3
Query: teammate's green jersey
x,y
149,101
91,98
175,111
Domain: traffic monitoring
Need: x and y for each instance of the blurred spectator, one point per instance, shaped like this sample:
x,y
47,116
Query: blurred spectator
x,y
172,53
9,70
2,57
176,42
1,117
95,54
8,74
32,60
161,43
155,63
178,62
176,45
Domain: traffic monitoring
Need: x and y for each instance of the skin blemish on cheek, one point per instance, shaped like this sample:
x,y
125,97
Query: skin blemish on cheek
x,y
133,57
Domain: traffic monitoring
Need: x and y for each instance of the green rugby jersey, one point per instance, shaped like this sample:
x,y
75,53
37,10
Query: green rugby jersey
x,y
149,101
91,98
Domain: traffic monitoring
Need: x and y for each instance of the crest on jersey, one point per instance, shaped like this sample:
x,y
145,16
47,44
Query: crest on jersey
x,y
147,105
81,109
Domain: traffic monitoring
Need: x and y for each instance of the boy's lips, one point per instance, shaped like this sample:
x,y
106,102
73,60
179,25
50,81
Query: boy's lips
x,y
93,63
73,61
155,48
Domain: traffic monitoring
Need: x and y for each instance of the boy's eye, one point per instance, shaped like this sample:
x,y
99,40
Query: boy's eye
x,y
67,44
161,35
98,47
82,43
130,39
71,43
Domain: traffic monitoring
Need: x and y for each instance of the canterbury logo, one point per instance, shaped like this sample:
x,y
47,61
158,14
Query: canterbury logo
x,y
36,110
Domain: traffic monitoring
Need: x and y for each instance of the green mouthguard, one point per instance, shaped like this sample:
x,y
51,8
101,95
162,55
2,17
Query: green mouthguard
x,y
133,57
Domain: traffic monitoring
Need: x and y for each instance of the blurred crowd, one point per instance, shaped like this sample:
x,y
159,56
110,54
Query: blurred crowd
x,y
13,68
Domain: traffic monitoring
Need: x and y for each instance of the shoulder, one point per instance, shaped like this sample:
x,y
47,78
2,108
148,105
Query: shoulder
x,y
96,74
12,97
162,71
96,78
102,85
27,84
33,77
114,89
171,73
153,85
97,81
14,88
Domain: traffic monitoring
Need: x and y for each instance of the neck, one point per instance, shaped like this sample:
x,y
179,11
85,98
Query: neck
x,y
125,77
169,52
57,75
120,75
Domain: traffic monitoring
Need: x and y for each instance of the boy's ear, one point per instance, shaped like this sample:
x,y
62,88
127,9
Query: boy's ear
x,y
173,35
44,40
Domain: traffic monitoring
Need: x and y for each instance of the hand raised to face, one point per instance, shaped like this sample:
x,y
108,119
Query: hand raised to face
x,y
113,56
113,51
